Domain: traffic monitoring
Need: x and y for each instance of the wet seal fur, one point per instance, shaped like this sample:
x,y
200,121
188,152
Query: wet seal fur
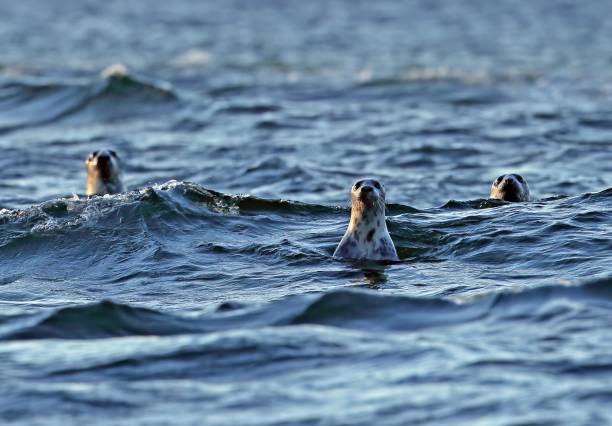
x,y
104,175
366,237
510,187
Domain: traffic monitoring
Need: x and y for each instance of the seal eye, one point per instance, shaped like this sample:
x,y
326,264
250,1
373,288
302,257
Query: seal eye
x,y
519,178
358,184
113,153
94,154
499,179
377,185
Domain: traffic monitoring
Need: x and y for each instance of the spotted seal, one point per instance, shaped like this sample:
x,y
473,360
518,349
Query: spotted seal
x,y
104,174
510,187
366,237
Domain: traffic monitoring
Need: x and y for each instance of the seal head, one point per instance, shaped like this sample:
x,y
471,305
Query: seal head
x,y
104,174
510,187
367,237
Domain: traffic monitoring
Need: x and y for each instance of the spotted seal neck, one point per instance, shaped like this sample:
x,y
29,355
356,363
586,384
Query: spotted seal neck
x,y
367,237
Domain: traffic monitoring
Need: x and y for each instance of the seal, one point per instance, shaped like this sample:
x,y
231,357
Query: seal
x,y
510,187
366,237
104,174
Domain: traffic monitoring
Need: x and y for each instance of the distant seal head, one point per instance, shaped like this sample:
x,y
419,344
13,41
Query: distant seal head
x,y
510,187
104,174
366,237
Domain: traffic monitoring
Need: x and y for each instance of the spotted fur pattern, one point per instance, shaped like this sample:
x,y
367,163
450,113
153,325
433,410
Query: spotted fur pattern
x,y
367,237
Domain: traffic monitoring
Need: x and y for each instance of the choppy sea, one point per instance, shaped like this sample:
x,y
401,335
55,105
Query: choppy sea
x,y
207,293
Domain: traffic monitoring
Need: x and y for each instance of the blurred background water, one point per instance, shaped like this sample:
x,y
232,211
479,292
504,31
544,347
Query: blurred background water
x,y
207,294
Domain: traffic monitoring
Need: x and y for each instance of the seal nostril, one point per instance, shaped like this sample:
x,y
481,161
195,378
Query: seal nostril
x,y
104,167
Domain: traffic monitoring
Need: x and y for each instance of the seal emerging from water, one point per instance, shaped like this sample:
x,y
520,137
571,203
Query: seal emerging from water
x,y
511,187
104,174
366,237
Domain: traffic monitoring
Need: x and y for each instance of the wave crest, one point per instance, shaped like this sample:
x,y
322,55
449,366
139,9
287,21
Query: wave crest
x,y
118,95
349,309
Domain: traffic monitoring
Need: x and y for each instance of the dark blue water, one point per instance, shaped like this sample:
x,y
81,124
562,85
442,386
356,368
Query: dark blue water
x,y
207,293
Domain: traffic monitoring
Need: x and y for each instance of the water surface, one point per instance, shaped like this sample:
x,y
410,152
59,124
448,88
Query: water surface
x,y
207,293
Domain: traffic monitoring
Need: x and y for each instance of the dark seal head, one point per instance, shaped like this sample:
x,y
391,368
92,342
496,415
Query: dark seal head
x,y
104,174
510,187
366,237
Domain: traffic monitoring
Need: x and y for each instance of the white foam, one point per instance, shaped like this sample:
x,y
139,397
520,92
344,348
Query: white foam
x,y
192,57
114,70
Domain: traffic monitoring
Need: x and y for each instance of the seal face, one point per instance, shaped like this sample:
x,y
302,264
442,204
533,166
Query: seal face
x,y
104,174
366,237
510,187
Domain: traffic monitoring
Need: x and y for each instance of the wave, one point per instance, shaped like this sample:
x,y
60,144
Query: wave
x,y
482,203
136,220
180,208
191,198
601,195
372,311
33,102
104,319
448,75
347,308
183,198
